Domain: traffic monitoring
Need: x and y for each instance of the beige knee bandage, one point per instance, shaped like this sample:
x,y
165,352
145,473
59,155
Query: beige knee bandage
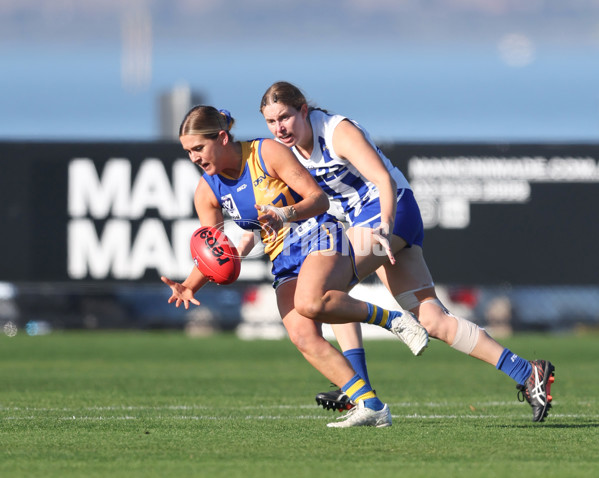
x,y
467,333
466,337
411,299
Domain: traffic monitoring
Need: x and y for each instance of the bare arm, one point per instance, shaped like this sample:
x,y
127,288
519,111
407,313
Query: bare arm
x,y
247,243
282,164
350,144
210,214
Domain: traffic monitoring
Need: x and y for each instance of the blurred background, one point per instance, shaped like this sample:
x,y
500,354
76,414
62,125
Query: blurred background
x,y
491,79
407,69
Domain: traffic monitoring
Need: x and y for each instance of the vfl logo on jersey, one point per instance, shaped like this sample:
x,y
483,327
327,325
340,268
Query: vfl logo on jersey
x,y
230,207
266,186
259,180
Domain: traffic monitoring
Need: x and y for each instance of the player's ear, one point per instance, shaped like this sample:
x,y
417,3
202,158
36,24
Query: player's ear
x,y
223,137
304,110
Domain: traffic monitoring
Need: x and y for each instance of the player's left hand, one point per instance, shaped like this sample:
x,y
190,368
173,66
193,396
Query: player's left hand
x,y
271,219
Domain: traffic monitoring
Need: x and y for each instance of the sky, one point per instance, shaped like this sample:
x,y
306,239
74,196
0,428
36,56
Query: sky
x,y
408,70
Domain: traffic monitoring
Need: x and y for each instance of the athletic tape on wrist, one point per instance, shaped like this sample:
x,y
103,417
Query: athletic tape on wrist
x,y
285,214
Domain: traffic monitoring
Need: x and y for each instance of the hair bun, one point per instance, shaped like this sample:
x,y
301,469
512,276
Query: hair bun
x,y
228,118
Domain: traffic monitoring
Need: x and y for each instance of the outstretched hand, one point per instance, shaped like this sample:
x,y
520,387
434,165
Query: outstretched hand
x,y
181,294
381,235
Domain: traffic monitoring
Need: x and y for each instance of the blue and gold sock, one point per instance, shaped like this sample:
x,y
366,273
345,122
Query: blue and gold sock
x,y
514,366
357,359
379,316
357,389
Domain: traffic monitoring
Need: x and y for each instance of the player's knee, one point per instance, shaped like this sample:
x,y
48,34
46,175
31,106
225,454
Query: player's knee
x,y
460,334
298,339
429,310
310,307
303,339
432,321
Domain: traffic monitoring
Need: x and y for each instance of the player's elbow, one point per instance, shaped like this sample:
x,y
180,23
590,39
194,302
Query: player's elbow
x,y
321,202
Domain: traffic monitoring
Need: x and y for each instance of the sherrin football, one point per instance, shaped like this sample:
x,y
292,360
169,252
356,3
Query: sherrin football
x,y
215,255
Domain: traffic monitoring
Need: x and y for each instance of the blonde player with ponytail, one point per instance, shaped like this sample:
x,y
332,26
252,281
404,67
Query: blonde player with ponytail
x,y
266,190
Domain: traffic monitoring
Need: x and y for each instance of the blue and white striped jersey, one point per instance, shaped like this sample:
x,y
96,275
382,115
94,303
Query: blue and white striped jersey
x,y
347,189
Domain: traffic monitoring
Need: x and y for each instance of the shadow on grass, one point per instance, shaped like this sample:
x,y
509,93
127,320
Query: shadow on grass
x,y
551,425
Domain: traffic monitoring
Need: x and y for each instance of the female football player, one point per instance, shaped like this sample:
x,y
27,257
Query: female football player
x,y
376,201
263,187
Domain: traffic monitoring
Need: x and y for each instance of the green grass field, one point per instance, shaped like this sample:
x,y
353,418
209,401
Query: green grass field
x,y
165,405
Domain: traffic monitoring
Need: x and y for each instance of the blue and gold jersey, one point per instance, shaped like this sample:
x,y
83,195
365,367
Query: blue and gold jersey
x,y
237,196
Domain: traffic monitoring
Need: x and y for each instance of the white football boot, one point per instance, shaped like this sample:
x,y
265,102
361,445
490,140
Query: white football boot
x,y
360,416
410,332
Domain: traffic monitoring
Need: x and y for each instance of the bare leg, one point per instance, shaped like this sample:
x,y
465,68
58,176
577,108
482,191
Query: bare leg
x,y
349,336
320,290
306,335
411,273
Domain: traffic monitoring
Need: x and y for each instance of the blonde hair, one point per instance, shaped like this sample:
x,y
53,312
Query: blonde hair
x,y
206,121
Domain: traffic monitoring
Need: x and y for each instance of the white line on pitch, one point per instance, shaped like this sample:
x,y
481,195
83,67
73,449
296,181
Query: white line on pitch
x,y
267,407
300,417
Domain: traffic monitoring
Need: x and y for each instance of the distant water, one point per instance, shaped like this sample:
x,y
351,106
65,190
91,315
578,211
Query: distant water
x,y
399,94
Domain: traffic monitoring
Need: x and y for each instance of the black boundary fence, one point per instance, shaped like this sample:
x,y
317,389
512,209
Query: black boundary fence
x,y
83,218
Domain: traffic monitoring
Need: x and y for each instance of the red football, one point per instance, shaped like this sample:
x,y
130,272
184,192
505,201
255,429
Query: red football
x,y
215,255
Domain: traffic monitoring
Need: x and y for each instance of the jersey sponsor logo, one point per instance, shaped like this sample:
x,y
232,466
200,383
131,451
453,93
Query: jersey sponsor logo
x,y
259,179
242,187
229,205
